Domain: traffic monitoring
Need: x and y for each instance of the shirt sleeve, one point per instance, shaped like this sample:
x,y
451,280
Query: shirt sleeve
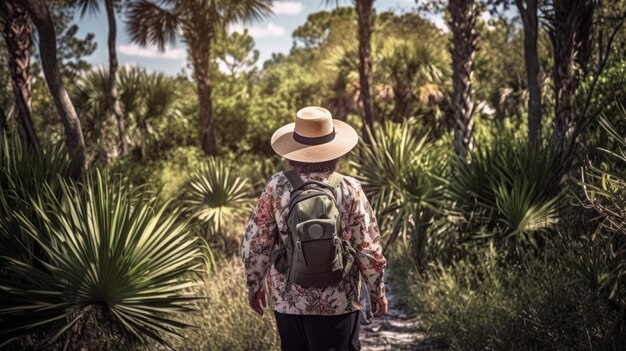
x,y
366,236
259,238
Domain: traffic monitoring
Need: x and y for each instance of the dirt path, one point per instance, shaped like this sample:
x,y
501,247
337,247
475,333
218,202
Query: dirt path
x,y
398,330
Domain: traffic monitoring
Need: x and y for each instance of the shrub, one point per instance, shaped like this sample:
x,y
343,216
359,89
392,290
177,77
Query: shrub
x,y
384,162
113,269
402,175
509,191
170,173
225,321
217,195
605,193
485,303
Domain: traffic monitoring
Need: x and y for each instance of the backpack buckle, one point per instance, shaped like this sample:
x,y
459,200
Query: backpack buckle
x,y
298,245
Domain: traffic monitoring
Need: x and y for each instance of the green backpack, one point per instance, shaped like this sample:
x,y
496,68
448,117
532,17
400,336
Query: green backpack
x,y
315,253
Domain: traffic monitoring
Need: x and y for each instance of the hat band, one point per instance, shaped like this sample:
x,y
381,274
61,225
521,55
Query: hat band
x,y
316,140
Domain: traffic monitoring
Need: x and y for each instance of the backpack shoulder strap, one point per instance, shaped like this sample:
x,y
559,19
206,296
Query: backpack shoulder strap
x,y
293,178
335,179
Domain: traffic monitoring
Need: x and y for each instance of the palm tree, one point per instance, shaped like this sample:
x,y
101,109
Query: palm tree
x,y
146,99
197,23
93,6
39,13
17,30
414,72
463,16
365,22
569,26
89,97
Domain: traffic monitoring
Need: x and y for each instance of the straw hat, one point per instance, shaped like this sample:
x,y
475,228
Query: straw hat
x,y
314,137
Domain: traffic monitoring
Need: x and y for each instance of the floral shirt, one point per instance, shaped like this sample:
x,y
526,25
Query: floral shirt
x,y
270,217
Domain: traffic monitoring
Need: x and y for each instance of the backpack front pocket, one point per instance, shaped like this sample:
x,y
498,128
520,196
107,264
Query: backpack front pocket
x,y
316,243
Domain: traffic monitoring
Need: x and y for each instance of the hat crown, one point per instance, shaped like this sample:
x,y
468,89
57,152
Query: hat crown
x,y
313,121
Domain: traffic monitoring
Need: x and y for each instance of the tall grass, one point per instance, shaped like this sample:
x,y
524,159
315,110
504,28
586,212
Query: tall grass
x,y
225,321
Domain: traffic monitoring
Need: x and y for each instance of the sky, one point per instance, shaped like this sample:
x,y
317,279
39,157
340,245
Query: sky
x,y
273,35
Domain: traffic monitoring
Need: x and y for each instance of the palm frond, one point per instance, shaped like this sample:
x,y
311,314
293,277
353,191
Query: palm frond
x,y
22,171
149,24
87,7
247,10
508,190
218,195
106,244
403,179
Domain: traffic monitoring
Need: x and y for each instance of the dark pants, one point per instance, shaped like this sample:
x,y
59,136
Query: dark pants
x,y
318,333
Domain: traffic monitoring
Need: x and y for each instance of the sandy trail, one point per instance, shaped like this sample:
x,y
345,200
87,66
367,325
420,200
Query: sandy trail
x,y
398,330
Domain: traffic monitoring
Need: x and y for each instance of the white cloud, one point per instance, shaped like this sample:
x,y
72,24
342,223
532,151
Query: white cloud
x,y
269,30
287,7
152,52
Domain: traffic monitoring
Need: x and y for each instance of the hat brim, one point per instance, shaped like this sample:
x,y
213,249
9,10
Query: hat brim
x,y
283,144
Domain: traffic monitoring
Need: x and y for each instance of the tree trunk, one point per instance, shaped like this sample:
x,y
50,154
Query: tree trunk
x,y
114,103
566,24
463,15
40,15
17,33
531,59
200,57
365,24
563,74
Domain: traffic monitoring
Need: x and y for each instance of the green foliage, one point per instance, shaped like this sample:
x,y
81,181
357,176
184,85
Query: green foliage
x,y
224,320
169,173
521,212
508,190
89,96
152,110
486,303
159,23
500,70
149,102
72,50
217,195
236,54
323,31
105,244
402,174
412,73
22,173
605,193
383,164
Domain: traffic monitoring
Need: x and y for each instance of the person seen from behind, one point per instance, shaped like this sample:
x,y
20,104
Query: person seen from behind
x,y
313,236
